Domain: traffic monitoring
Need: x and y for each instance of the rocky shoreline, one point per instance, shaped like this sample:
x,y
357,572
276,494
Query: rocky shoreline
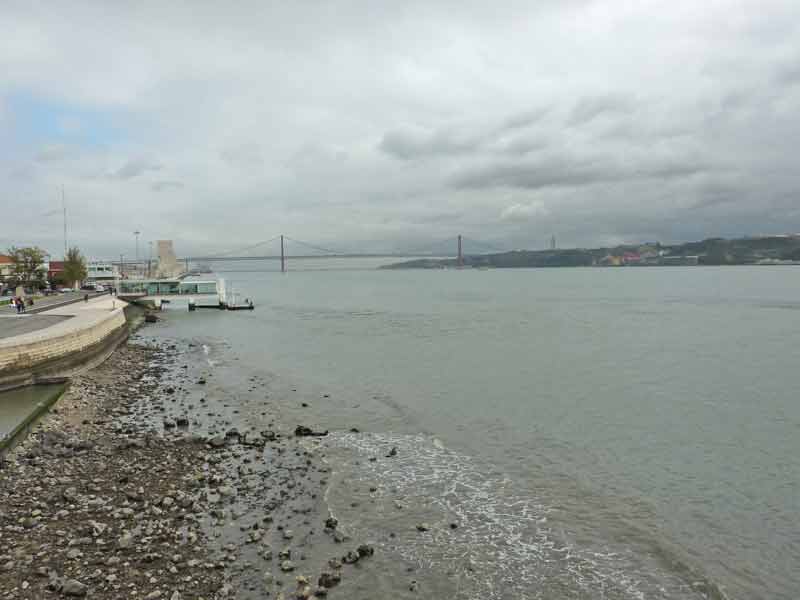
x,y
138,485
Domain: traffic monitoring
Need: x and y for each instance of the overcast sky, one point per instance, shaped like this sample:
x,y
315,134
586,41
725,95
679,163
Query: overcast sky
x,y
391,125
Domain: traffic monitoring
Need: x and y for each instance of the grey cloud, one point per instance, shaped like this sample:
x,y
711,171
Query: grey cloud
x,y
410,144
523,145
247,155
420,115
164,185
569,172
589,108
788,74
525,119
136,167
52,152
466,138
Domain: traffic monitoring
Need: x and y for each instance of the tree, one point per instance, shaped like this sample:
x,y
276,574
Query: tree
x,y
74,266
28,268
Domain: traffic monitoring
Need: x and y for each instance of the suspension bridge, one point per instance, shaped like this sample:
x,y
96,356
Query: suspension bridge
x,y
277,248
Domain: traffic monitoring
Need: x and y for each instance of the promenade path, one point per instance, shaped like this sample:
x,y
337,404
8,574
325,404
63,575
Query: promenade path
x,y
56,321
44,313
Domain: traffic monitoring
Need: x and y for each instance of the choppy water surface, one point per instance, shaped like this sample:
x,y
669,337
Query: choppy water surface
x,y
591,433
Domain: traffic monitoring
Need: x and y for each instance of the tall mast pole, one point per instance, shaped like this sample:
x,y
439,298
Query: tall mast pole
x,y
283,258
64,208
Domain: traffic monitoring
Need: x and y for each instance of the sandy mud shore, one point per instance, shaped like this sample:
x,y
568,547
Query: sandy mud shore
x,y
140,485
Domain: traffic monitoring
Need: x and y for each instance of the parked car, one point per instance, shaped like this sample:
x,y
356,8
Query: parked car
x,y
66,290
99,288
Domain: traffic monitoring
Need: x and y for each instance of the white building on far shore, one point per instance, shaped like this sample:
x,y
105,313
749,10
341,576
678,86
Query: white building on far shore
x,y
100,270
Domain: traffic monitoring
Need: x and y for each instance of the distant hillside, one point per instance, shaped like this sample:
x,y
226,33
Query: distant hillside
x,y
713,251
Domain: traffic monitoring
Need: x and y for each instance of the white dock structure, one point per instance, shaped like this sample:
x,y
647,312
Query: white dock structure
x,y
181,292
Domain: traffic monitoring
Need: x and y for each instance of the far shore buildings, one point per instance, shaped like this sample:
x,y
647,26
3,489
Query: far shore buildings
x,y
55,270
6,267
99,271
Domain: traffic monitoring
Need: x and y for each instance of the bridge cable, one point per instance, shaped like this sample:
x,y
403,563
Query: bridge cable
x,y
243,249
318,248
484,244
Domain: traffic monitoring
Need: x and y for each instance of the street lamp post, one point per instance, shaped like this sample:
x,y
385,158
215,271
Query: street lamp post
x,y
136,233
149,258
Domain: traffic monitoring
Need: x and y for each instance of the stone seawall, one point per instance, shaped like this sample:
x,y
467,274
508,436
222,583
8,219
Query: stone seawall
x,y
58,350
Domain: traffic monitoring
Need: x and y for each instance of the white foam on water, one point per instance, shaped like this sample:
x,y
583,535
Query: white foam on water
x,y
504,546
207,352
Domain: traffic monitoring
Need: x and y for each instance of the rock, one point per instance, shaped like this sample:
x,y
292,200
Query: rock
x,y
182,422
453,525
288,534
226,491
365,550
287,566
350,558
303,431
328,579
331,523
74,588
217,441
392,452
423,527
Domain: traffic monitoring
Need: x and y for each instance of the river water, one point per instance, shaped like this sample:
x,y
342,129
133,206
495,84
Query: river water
x,y
589,433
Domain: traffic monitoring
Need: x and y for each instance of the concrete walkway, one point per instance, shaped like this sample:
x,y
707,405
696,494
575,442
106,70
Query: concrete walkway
x,y
46,303
82,332
63,319
12,325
